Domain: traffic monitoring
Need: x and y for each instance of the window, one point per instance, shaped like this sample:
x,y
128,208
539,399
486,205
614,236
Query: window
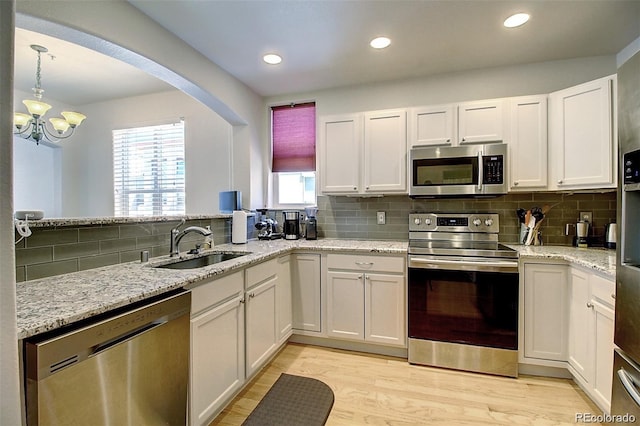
x,y
148,170
293,136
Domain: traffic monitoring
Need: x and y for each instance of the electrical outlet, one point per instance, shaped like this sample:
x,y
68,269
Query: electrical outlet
x,y
587,217
382,218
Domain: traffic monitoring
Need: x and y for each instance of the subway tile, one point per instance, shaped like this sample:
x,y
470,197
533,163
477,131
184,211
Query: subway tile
x,y
154,240
98,233
69,251
21,274
123,244
51,237
133,255
34,255
97,261
50,269
136,230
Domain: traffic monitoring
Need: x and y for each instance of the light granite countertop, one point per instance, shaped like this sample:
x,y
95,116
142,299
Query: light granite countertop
x,y
51,222
596,258
49,303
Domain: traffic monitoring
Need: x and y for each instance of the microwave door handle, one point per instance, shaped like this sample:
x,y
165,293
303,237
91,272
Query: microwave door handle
x,y
480,171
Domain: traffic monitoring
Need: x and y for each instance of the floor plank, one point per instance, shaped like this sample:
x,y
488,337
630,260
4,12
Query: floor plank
x,y
379,390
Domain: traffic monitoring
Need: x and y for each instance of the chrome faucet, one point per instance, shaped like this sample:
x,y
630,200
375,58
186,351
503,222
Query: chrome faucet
x,y
177,235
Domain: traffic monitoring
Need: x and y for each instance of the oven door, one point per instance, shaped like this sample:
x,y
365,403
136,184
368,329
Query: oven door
x,y
472,301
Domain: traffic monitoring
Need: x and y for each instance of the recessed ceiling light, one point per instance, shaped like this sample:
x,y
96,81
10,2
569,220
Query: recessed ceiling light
x,y
380,42
516,20
272,59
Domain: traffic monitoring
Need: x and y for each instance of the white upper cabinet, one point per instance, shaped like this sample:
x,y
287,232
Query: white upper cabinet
x,y
481,121
432,125
340,148
528,143
582,129
385,152
364,154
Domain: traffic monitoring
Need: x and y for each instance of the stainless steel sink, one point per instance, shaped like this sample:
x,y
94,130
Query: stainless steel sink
x,y
199,262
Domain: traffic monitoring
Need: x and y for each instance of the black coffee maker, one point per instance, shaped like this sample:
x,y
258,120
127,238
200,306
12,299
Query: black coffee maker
x,y
291,225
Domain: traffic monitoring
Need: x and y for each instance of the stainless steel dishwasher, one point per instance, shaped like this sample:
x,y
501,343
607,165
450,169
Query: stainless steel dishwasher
x,y
130,367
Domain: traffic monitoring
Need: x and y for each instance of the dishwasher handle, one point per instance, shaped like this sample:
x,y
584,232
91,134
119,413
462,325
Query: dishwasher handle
x,y
101,347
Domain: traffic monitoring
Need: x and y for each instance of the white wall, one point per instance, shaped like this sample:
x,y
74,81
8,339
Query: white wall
x,y
118,29
529,79
36,177
87,158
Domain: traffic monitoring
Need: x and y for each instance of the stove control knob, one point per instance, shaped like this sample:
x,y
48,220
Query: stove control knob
x,y
488,222
427,221
477,222
416,221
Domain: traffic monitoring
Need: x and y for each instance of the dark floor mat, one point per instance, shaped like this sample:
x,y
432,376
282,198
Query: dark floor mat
x,y
291,401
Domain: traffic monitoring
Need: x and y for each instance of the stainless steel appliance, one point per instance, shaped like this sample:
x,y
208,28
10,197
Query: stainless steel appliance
x,y
266,226
625,398
471,170
291,228
610,235
128,368
463,294
582,234
311,225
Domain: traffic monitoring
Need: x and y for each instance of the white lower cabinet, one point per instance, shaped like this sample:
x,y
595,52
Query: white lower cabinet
x,y
306,292
217,346
283,289
546,318
262,334
366,298
569,321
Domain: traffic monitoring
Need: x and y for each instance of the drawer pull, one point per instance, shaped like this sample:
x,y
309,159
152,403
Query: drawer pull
x,y
613,296
364,263
589,305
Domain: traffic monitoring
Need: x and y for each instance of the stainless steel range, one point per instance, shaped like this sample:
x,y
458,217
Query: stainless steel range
x,y
463,294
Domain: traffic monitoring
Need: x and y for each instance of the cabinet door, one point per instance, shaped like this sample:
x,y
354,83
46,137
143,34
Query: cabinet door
x,y
528,142
545,312
261,327
340,153
385,152
385,309
217,359
432,125
580,325
581,133
603,343
305,291
283,289
481,121
345,305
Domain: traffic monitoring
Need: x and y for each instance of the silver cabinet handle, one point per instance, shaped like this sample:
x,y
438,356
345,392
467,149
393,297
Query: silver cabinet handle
x,y
613,296
366,277
355,188
364,263
589,305
252,295
242,300
515,183
559,180
448,140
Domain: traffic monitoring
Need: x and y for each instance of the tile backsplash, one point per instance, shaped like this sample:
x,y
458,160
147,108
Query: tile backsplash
x,y
59,250
355,218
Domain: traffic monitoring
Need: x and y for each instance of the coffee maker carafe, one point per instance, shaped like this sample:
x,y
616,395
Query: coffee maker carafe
x,y
582,234
291,225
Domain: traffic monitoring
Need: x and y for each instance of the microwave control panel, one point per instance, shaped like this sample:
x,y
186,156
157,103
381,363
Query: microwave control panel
x,y
493,169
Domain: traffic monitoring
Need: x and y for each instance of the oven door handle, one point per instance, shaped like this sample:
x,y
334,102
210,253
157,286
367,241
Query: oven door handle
x,y
480,171
461,264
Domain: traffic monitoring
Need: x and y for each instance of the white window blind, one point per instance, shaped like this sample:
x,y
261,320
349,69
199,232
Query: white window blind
x,y
148,170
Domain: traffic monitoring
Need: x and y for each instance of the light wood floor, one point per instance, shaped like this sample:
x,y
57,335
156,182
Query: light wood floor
x,y
379,390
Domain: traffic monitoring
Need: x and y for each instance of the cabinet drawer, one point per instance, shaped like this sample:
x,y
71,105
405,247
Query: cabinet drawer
x,y
214,291
603,289
260,273
366,262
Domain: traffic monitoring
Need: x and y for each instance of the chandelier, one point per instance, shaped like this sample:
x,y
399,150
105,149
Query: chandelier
x,y
32,126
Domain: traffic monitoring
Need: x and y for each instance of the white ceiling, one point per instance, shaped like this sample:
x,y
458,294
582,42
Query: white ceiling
x,y
324,44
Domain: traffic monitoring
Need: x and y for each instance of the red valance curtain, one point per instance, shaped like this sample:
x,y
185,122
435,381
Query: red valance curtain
x,y
294,138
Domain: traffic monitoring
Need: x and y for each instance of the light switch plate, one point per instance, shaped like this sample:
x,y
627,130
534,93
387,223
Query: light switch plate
x,y
382,218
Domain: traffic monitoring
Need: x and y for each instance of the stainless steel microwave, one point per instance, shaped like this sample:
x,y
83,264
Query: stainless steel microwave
x,y
473,170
